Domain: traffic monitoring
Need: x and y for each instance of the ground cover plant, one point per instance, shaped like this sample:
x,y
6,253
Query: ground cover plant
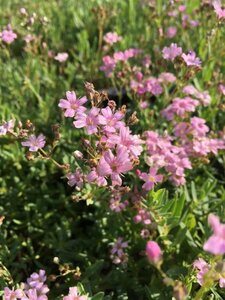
x,y
112,149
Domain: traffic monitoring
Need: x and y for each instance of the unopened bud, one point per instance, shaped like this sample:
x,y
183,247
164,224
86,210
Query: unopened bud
x,y
56,260
77,154
153,252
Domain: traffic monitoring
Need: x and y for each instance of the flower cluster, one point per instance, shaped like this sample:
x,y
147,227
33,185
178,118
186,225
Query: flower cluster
x,y
34,289
115,150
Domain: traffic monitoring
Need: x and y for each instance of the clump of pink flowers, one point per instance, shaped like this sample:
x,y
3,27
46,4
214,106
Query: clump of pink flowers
x,y
34,289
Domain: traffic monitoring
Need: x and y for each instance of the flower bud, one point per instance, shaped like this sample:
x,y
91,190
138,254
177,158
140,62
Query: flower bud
x,y
153,252
77,154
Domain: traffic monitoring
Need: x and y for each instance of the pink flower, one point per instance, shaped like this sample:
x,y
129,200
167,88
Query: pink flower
x,y
143,216
202,267
89,120
171,32
222,282
110,121
131,142
108,66
191,59
115,165
204,97
220,12
167,77
146,62
72,105
99,173
76,178
12,295
118,246
152,85
28,38
216,243
8,36
153,252
150,179
23,11
112,38
171,52
61,57
34,143
198,127
74,295
222,89
6,127
117,205
179,107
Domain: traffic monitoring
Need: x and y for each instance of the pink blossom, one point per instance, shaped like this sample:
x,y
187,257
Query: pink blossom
x,y
194,23
198,127
61,57
111,121
152,85
8,36
171,52
32,294
151,179
222,89
74,295
144,104
23,11
182,129
202,267
117,205
216,243
89,120
6,127
167,77
112,38
119,56
118,246
28,38
222,282
204,97
220,12
191,59
153,252
115,165
143,216
108,66
179,107
146,62
76,178
72,105
171,32
99,173
34,143
131,142
182,8
12,294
